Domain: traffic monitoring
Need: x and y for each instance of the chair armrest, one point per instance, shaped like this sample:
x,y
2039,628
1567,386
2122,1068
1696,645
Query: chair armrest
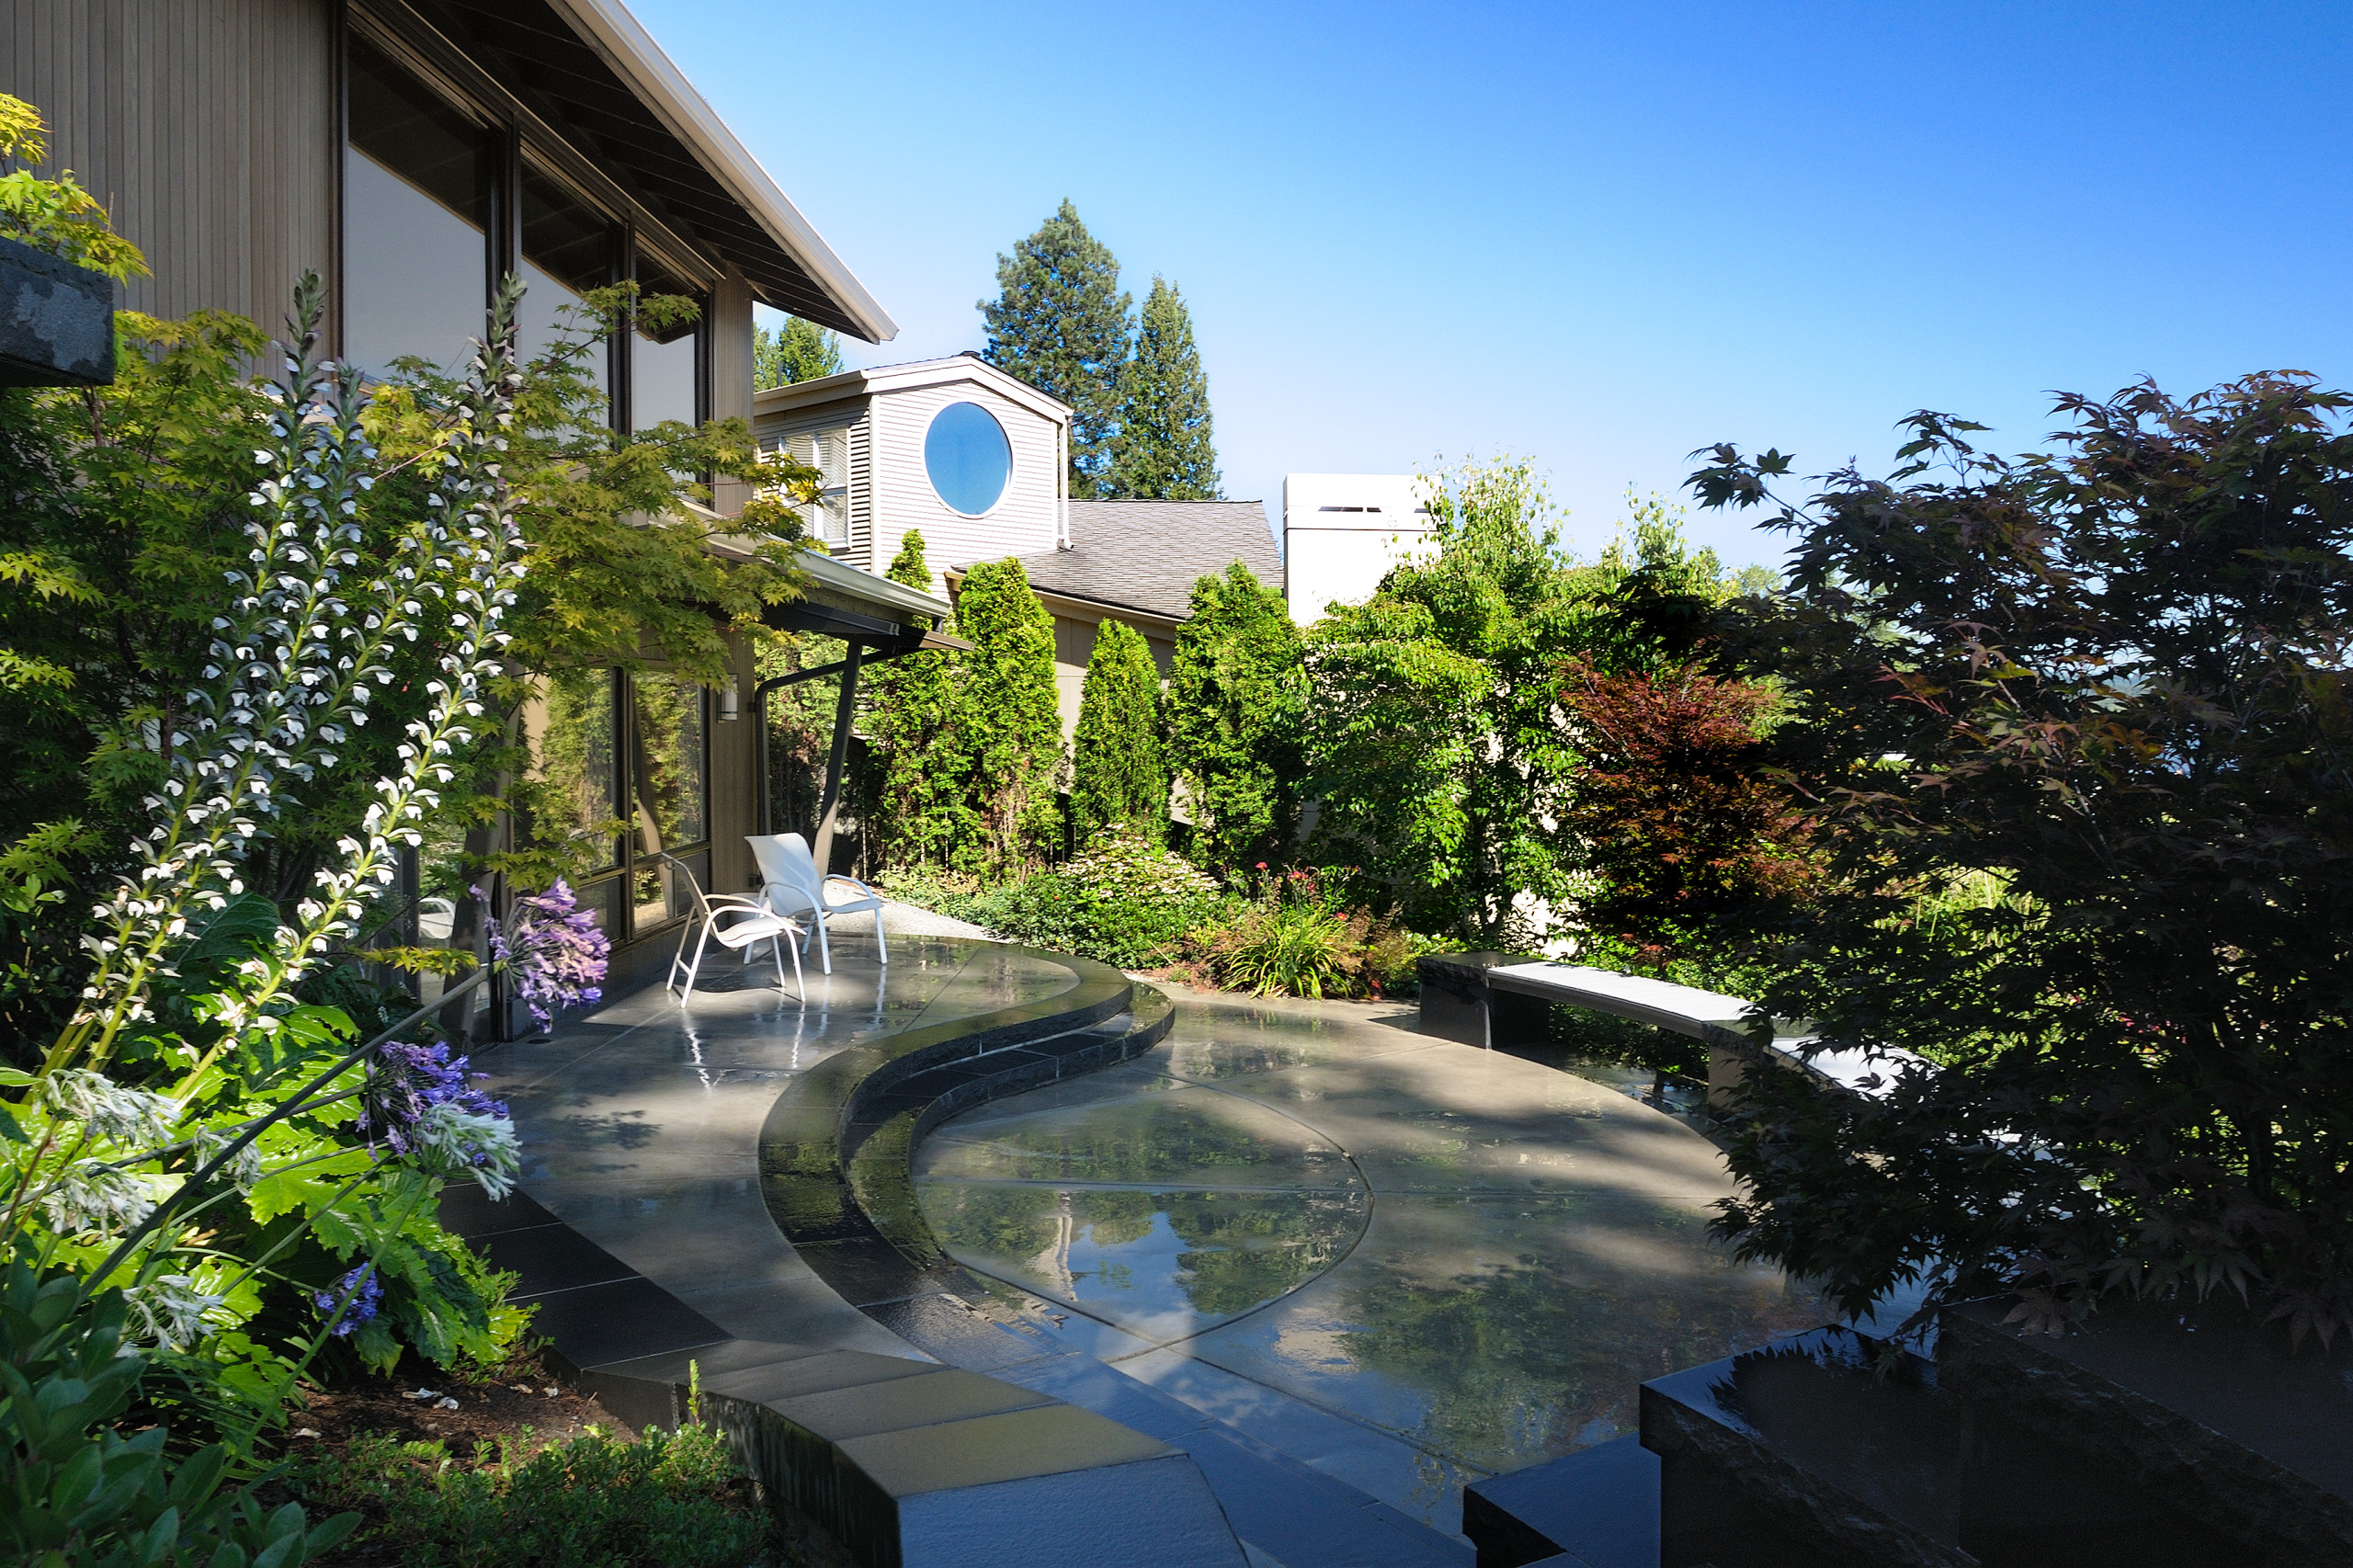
x,y
719,901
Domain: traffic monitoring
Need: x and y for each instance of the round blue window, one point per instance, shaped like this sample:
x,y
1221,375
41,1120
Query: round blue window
x,y
968,457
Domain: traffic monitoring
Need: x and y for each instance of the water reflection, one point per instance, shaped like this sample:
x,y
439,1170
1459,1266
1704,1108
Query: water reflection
x,y
1163,1265
1477,1254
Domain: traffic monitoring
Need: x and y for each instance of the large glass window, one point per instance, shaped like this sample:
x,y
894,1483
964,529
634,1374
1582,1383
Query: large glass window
x,y
415,220
432,198
663,371
577,759
668,794
568,249
635,747
968,457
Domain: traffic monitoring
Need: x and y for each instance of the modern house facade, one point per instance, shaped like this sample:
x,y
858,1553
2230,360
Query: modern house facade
x,y
1342,532
412,153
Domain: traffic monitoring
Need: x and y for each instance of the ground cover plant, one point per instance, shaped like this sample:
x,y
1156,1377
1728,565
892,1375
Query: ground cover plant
x,y
2071,742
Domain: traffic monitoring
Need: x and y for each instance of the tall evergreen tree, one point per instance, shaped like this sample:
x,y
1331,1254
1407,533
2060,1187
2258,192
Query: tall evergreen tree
x,y
799,351
922,810
1237,699
1061,323
1117,778
1009,723
1162,450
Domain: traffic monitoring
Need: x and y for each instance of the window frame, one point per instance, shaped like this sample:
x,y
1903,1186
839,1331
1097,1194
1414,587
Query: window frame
x,y
446,71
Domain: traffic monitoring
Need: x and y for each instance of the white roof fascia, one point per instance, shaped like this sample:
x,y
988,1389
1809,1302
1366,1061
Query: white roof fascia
x,y
908,378
631,50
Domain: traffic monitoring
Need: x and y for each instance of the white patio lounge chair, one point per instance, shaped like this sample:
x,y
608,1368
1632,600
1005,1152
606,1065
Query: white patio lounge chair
x,y
789,884
740,923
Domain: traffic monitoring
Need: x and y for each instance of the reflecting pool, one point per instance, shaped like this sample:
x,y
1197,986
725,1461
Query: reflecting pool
x,y
1291,1213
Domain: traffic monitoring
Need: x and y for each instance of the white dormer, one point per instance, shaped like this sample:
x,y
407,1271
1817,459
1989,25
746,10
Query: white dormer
x,y
973,457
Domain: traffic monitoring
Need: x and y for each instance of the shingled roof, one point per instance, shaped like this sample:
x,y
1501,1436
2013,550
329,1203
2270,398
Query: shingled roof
x,y
1146,555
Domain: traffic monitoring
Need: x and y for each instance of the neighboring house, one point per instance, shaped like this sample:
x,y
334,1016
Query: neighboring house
x,y
954,447
1342,532
412,152
1135,562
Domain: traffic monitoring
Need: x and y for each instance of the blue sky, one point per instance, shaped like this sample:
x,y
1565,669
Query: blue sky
x,y
1599,236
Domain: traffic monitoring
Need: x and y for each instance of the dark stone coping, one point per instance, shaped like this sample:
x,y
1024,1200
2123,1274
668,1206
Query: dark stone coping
x,y
907,1462
2204,1403
1838,1449
1594,1508
56,321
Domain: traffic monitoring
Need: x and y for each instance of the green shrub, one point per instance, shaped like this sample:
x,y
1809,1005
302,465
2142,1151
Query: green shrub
x,y
1294,950
677,1499
1125,901
1294,941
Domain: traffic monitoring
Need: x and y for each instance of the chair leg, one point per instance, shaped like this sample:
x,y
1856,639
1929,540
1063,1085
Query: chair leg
x,y
677,958
695,967
824,949
882,946
800,984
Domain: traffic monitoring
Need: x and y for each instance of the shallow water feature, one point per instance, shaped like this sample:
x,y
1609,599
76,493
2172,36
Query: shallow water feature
x,y
1405,1261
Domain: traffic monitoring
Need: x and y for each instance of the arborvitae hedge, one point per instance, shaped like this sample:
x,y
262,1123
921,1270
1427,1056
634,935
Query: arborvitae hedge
x,y
1236,697
924,809
1010,728
1118,776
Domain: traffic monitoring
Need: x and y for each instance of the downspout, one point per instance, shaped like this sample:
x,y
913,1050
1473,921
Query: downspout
x,y
1062,485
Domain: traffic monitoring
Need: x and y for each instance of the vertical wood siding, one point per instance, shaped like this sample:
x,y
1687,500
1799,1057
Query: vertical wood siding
x,y
1023,522
206,126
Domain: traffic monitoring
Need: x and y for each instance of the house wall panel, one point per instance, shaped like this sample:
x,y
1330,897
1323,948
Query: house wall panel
x,y
730,332
1024,522
734,766
206,126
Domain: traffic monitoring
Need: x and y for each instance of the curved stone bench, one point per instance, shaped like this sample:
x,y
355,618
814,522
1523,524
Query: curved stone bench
x,y
906,1461
1480,998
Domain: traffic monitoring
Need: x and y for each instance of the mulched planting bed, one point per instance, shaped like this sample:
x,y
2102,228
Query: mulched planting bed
x,y
518,1408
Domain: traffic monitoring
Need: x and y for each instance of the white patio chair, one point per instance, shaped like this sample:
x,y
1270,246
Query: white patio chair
x,y
789,884
739,924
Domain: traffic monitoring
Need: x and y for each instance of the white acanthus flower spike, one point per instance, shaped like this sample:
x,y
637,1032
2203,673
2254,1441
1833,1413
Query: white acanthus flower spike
x,y
115,1113
244,1165
172,1311
92,1195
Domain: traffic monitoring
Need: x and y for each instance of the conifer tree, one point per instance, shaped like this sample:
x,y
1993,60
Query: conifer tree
x,y
1009,723
1237,699
1163,451
798,351
921,810
1061,323
1117,777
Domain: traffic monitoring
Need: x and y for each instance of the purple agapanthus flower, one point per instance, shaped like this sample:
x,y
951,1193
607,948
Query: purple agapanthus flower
x,y
406,1081
555,955
361,1288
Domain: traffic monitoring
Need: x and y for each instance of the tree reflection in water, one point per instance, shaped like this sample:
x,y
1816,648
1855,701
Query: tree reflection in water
x,y
1531,1248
